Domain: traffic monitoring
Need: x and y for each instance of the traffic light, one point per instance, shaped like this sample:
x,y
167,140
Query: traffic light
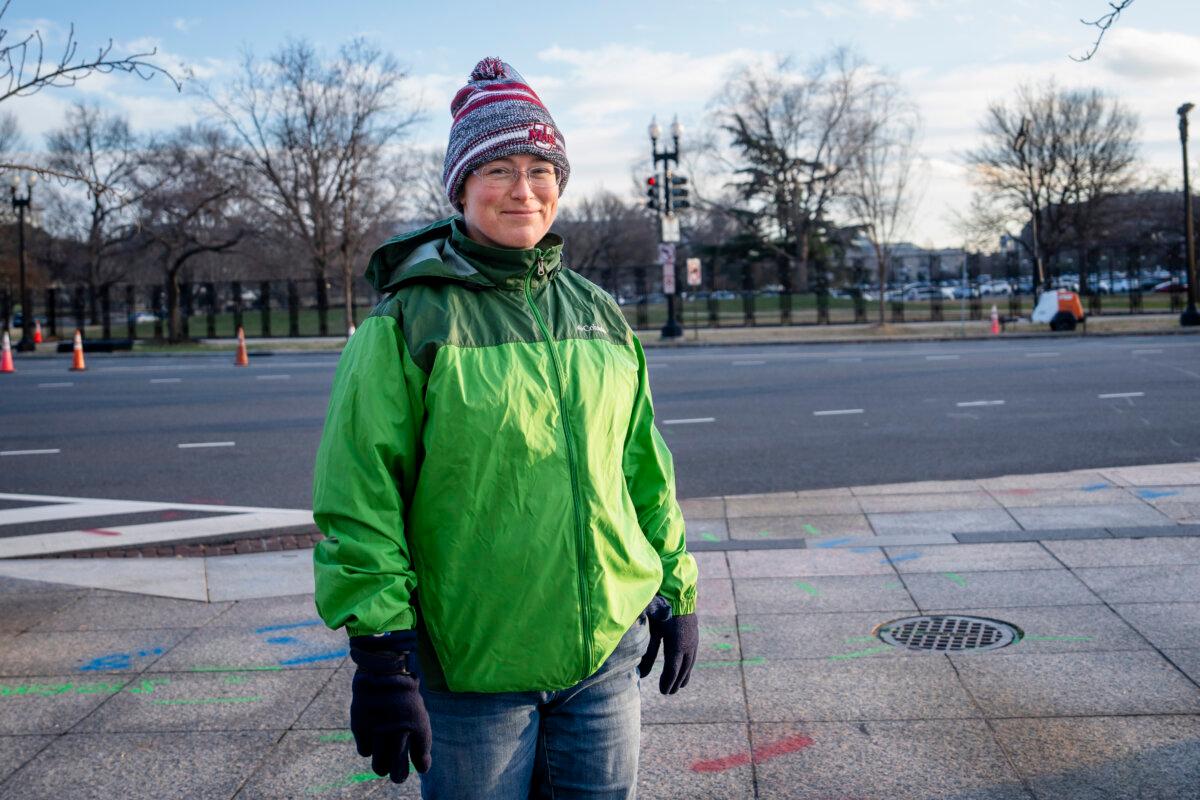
x,y
678,193
652,193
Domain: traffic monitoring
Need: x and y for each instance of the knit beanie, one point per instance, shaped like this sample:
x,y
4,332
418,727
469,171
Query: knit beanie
x,y
495,115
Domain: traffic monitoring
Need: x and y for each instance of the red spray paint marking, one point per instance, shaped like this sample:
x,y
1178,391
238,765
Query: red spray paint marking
x,y
789,745
101,532
166,516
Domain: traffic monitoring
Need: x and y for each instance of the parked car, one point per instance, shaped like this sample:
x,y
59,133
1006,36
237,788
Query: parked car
x,y
923,293
141,316
1170,286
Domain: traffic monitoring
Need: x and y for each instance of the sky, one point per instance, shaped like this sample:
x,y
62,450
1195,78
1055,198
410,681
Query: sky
x,y
605,68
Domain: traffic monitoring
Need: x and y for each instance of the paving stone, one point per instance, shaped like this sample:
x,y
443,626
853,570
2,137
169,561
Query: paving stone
x,y
1076,684
699,762
86,654
309,647
1168,583
1157,475
1025,498
918,487
211,701
331,707
260,612
1127,552
1112,516
23,612
947,590
1059,629
54,704
942,521
1162,495
10,586
1046,480
1166,625
927,759
16,750
325,764
982,537
881,688
1105,758
713,694
166,577
800,527
801,563
703,508
792,506
892,540
715,597
1187,660
1180,512
140,766
824,594
711,565
126,612
927,502
706,530
1154,531
828,637
971,558
259,575
720,639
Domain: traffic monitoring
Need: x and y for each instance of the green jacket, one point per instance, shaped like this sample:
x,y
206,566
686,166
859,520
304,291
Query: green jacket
x,y
490,473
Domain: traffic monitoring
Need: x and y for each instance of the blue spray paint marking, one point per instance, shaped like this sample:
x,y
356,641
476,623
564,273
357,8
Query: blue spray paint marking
x,y
862,549
290,626
832,543
1151,494
898,559
282,640
114,661
291,662
1093,487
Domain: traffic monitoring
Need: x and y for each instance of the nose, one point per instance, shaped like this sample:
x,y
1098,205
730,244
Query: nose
x,y
521,187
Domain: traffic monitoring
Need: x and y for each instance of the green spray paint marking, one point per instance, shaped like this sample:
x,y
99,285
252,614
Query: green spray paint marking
x,y
234,680
813,529
55,689
718,629
862,639
198,701
893,585
349,780
341,736
959,579
235,669
745,662
764,533
1059,638
860,653
709,537
722,646
807,587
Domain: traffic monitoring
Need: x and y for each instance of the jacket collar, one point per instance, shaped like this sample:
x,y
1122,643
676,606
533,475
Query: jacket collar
x,y
507,268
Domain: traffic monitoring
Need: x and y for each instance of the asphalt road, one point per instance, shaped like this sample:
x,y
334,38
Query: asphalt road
x,y
738,420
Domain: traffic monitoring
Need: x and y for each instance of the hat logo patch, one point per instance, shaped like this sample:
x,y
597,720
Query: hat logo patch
x,y
542,136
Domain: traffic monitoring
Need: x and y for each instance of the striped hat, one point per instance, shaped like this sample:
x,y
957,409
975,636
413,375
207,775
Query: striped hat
x,y
497,114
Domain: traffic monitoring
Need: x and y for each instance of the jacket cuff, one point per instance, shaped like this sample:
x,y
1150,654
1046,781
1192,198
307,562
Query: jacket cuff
x,y
392,652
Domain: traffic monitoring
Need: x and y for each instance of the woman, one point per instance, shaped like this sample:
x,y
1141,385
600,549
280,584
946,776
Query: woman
x,y
504,546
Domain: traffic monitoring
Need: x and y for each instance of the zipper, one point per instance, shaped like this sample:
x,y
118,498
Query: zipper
x,y
585,600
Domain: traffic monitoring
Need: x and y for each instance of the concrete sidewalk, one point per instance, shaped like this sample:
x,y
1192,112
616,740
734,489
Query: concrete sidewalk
x,y
212,677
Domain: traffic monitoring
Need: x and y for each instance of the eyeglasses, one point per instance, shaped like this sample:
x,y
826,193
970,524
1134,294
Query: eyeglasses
x,y
498,176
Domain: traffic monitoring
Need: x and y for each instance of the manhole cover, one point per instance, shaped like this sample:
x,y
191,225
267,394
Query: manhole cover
x,y
952,633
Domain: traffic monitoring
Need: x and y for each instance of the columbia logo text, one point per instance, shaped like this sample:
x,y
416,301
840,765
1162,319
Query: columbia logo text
x,y
587,328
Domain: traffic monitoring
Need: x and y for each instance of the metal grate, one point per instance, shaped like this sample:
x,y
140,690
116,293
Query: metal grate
x,y
951,633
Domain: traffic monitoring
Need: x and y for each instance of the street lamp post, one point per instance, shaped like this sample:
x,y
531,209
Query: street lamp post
x,y
1190,316
19,204
672,328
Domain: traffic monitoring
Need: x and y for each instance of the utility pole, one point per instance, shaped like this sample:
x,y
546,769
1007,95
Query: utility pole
x,y
666,196
1190,316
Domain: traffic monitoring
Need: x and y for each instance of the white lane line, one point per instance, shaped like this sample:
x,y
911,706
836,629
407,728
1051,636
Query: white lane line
x,y
1120,394
1042,355
166,380
980,403
688,421
844,360
57,385
49,452
1143,352
273,377
941,358
187,445
747,363
837,411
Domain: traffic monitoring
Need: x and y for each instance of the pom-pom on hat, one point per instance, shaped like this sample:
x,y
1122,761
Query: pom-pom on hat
x,y
497,114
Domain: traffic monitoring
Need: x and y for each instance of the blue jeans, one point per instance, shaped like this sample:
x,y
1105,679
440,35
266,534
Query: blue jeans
x,y
579,742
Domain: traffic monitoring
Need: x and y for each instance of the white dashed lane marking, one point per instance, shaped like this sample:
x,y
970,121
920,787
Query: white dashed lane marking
x,y
837,411
688,421
166,380
56,385
941,358
189,445
972,403
747,363
1115,395
48,452
1042,355
273,377
1144,352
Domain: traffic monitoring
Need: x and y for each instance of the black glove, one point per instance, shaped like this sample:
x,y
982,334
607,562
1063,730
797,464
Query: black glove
x,y
681,639
387,715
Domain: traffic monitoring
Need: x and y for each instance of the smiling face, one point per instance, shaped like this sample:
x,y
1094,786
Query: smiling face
x,y
515,216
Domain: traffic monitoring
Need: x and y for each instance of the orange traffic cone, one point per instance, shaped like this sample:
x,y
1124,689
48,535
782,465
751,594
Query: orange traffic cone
x,y
995,320
242,360
37,331
77,364
6,364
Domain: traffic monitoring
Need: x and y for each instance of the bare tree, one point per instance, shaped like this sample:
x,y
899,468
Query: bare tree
x,y
879,183
792,134
425,195
26,69
1052,158
1103,23
105,154
605,233
319,139
189,205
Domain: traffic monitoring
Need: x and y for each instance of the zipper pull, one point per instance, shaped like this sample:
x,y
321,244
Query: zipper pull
x,y
541,267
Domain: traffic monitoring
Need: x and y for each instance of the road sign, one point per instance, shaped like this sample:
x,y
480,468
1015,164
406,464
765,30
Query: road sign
x,y
670,228
694,277
666,257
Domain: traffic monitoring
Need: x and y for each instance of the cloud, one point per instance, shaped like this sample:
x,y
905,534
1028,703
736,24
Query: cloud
x,y
896,9
185,25
1149,55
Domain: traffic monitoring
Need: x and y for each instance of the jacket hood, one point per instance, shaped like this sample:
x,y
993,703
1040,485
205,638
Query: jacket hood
x,y
442,251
